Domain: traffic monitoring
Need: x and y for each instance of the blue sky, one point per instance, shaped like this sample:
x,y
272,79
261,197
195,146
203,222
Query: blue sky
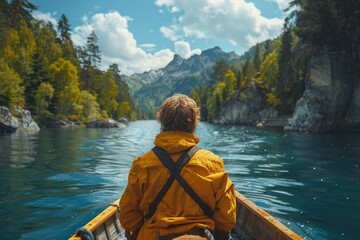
x,y
140,35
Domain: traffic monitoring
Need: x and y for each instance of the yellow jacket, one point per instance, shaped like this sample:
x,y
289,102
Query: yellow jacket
x,y
177,212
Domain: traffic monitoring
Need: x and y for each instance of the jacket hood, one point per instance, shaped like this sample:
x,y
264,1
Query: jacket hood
x,y
175,141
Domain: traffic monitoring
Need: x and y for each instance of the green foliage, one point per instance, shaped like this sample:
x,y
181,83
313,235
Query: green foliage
x,y
106,90
11,89
218,71
43,98
200,95
64,29
256,60
124,110
328,22
230,82
269,71
67,92
91,55
36,76
20,46
46,44
285,83
89,107
239,78
20,10
49,65
194,95
272,99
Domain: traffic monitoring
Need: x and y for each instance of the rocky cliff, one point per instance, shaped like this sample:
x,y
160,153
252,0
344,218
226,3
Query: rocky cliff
x,y
332,94
246,108
21,121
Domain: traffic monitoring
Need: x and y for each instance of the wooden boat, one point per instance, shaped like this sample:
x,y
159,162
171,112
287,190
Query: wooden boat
x,y
252,223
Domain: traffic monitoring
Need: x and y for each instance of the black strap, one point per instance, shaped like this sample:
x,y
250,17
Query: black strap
x,y
175,169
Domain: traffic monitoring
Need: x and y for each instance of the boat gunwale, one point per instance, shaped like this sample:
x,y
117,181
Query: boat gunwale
x,y
284,231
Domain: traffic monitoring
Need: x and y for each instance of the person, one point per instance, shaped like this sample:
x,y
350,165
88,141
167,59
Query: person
x,y
177,215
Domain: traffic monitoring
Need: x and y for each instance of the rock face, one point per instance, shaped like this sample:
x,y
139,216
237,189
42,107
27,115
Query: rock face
x,y
247,108
352,118
109,123
21,122
328,94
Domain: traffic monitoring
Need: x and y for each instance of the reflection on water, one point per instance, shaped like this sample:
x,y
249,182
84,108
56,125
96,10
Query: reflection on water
x,y
56,180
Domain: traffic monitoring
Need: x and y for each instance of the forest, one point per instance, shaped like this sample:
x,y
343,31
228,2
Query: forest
x,y
44,72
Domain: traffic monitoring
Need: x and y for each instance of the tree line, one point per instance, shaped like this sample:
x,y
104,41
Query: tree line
x,y
42,70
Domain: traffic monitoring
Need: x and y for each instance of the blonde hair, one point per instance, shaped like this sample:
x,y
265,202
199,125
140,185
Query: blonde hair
x,y
178,113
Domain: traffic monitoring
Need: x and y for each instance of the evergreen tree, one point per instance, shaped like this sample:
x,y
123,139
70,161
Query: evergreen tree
x,y
4,9
267,48
123,89
256,59
19,48
90,59
239,78
245,67
43,97
334,23
46,45
230,82
11,87
92,51
20,10
64,29
218,71
37,76
285,78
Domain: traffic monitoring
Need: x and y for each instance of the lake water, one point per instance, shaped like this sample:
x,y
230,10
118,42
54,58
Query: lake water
x,y
55,181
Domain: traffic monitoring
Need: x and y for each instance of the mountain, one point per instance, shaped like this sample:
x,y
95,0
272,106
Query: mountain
x,y
180,76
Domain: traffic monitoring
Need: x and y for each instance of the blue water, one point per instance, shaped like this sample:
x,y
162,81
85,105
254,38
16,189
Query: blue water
x,y
55,181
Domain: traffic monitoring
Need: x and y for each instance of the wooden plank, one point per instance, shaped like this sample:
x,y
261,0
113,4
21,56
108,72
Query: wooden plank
x,y
273,226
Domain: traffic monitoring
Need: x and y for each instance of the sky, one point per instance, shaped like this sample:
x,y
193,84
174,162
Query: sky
x,y
144,35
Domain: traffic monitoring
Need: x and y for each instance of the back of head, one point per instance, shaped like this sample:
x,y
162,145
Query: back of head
x,y
178,113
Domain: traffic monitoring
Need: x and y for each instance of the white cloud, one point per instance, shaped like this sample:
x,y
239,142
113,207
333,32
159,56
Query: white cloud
x,y
183,49
46,17
170,32
147,45
236,21
118,45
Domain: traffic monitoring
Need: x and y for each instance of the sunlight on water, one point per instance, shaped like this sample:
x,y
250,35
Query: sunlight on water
x,y
58,179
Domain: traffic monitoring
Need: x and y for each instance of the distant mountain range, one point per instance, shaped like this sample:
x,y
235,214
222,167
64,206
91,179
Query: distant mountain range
x,y
179,76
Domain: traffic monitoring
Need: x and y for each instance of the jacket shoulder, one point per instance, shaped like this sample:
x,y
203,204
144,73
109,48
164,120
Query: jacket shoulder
x,y
209,159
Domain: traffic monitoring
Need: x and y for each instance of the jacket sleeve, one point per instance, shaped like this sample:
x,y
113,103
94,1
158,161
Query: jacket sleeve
x,y
130,216
225,210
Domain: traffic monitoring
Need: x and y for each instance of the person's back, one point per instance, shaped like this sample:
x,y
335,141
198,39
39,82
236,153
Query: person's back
x,y
177,213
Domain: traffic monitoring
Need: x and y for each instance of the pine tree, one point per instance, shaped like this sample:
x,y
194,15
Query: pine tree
x,y
256,59
11,87
267,48
64,29
20,10
90,58
4,9
218,71
37,76
285,79
239,78
92,50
